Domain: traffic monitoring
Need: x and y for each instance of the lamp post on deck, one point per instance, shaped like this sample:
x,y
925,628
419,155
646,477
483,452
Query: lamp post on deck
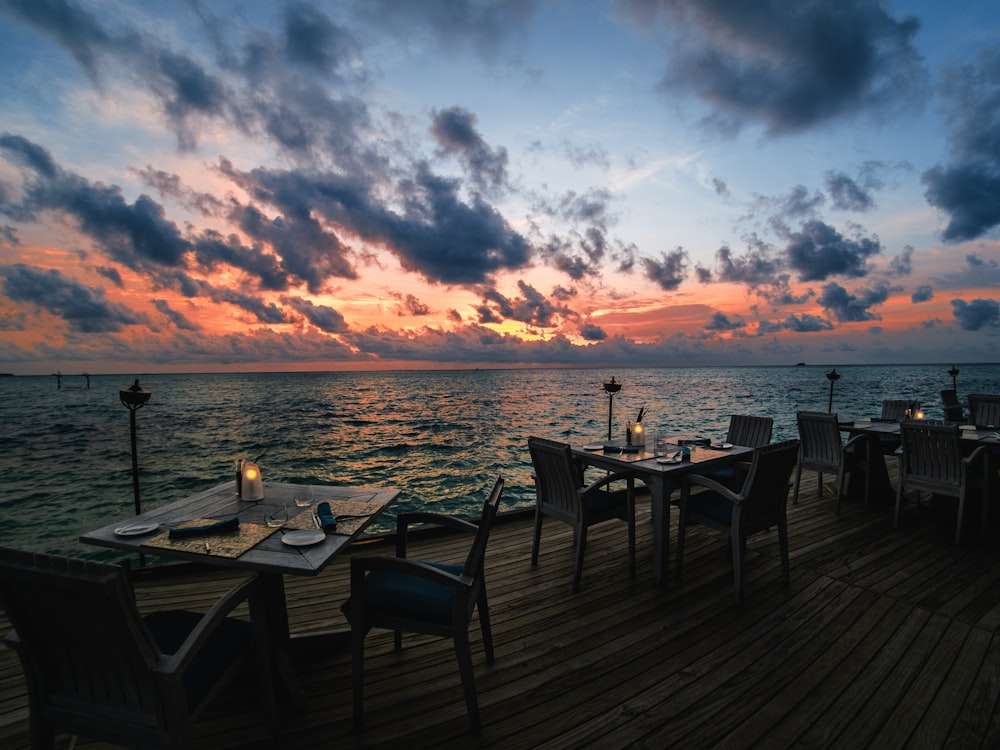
x,y
611,388
954,378
134,398
833,376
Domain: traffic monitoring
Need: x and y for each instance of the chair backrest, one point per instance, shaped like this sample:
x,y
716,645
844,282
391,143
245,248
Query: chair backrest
x,y
86,652
819,439
953,411
557,478
477,554
751,432
896,408
932,453
984,409
765,490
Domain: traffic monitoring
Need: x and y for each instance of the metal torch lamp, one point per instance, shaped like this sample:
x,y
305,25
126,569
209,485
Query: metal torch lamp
x,y
954,378
833,376
134,398
611,388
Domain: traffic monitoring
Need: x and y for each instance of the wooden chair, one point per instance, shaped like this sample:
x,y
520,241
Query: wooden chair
x,y
953,411
560,493
821,450
97,669
984,409
759,505
895,410
748,431
931,461
416,596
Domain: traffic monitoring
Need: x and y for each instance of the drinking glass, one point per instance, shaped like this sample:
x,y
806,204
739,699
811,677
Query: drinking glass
x,y
277,517
303,497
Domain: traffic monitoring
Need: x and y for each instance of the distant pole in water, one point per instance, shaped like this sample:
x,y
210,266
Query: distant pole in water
x,y
134,398
833,376
954,378
611,388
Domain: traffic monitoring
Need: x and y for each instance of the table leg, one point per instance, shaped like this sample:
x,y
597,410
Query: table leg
x,y
274,611
660,491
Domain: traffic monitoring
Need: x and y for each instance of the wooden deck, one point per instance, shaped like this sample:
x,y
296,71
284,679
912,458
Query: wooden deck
x,y
884,639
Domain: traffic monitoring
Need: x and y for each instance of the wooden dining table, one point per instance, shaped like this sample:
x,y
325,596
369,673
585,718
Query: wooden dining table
x,y
661,478
270,552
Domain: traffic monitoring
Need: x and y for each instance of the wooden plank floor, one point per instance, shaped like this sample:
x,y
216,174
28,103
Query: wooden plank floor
x,y
883,639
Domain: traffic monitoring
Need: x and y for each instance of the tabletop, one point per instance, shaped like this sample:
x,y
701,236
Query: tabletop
x,y
254,546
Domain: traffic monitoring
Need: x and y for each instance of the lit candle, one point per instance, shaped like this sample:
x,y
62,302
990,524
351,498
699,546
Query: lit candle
x,y
253,487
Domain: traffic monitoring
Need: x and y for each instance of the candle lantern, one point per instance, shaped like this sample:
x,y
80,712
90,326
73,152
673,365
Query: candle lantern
x,y
252,485
611,388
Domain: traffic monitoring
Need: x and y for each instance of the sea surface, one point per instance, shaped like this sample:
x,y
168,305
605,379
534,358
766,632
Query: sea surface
x,y
441,437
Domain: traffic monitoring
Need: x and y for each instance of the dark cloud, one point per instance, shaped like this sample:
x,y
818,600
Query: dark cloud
x,y
84,309
976,263
483,26
923,293
720,187
819,251
323,317
806,323
454,129
179,320
852,308
413,306
312,40
847,195
968,188
759,266
720,322
591,332
669,271
532,308
902,264
129,231
112,275
976,315
789,66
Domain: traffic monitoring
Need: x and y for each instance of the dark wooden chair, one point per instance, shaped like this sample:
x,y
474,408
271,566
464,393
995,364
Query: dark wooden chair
x,y
822,450
895,410
749,431
984,409
932,461
953,411
97,669
417,596
560,493
759,505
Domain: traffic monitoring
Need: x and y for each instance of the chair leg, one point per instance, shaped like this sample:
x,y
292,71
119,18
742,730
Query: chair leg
x,y
483,605
737,546
783,547
899,502
961,516
464,655
798,480
357,676
537,537
581,543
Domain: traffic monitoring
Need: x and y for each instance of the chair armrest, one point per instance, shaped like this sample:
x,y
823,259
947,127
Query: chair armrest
x,y
608,479
205,627
404,520
979,454
703,481
362,565
12,640
859,438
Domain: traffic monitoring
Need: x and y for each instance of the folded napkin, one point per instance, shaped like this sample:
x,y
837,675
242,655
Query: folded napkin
x,y
228,524
327,521
622,448
695,441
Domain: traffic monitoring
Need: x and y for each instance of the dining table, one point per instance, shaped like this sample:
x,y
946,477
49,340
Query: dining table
x,y
662,469
217,527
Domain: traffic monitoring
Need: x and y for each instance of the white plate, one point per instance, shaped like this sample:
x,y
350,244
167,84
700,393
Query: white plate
x,y
669,460
594,447
136,529
303,538
722,446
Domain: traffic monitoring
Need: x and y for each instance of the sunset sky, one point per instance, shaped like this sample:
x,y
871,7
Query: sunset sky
x,y
370,184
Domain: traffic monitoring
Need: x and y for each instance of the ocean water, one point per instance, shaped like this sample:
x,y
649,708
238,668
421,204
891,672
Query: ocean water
x,y
440,437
